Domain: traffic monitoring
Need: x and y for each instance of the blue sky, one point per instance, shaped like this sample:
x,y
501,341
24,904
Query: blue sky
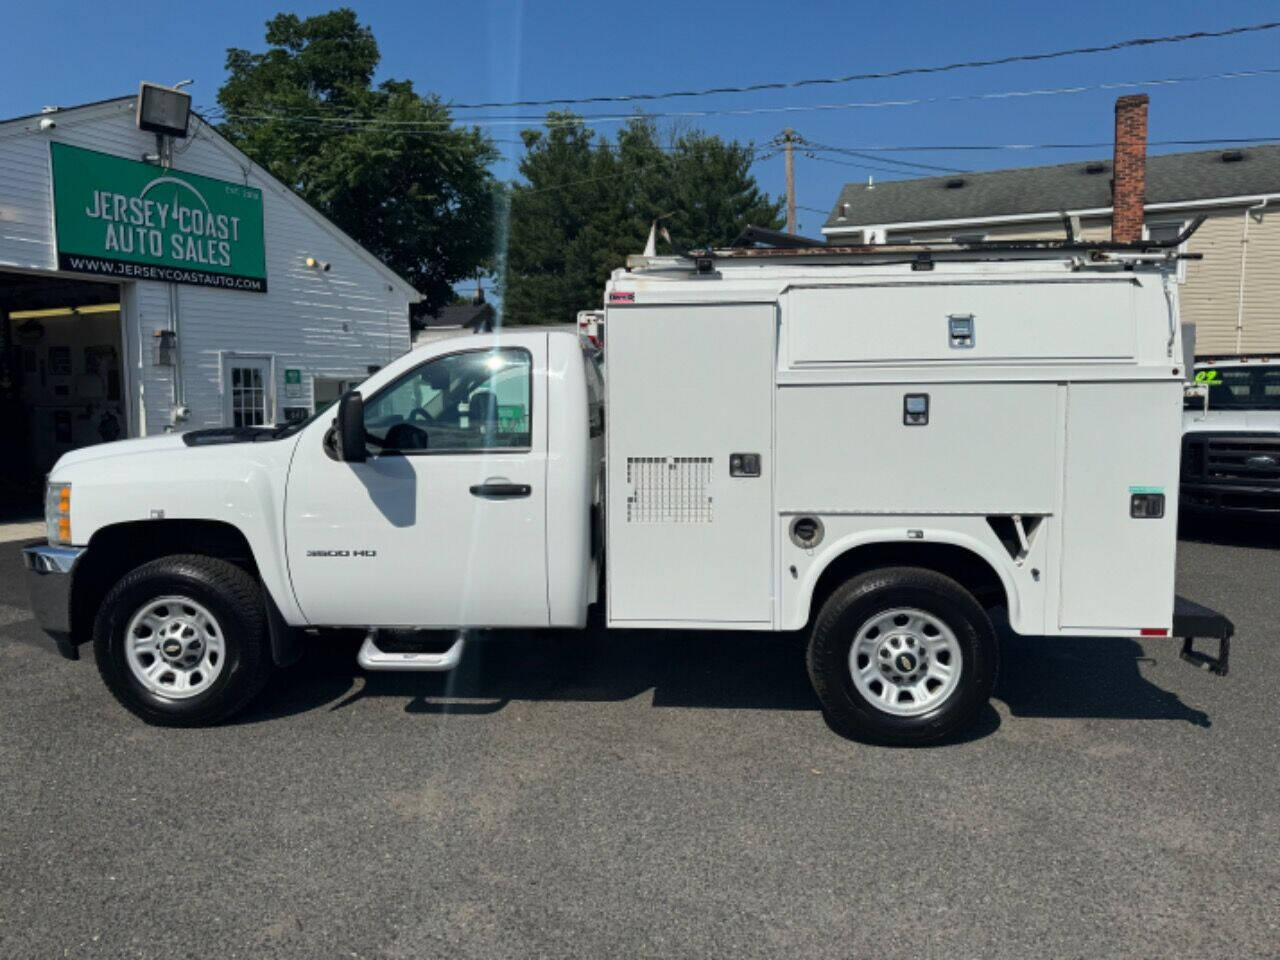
x,y
67,53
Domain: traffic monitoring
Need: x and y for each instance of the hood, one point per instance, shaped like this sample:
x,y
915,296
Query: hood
x,y
119,448
213,437
1231,421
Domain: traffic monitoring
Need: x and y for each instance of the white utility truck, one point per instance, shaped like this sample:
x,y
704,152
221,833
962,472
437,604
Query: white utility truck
x,y
876,445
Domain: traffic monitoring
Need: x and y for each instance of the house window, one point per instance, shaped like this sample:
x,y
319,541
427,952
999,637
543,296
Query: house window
x,y
248,393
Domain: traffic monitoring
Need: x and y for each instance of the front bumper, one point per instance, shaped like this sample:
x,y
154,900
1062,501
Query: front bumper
x,y
50,572
1230,498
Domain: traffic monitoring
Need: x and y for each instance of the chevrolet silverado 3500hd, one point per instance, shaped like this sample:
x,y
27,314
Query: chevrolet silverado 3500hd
x,y
877,445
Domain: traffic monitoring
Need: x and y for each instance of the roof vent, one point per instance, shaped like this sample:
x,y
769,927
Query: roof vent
x,y
1232,156
955,183
1095,168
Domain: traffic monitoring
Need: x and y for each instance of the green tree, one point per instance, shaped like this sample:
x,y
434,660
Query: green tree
x,y
384,163
587,203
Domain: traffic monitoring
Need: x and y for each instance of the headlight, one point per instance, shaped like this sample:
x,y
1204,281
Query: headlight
x,y
57,513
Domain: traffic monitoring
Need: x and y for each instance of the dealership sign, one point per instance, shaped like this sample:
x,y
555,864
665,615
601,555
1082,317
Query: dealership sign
x,y
120,218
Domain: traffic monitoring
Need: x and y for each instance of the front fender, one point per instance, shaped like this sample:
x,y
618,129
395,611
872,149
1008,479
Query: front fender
x,y
239,484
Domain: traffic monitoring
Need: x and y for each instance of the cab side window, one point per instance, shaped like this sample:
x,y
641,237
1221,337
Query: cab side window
x,y
464,402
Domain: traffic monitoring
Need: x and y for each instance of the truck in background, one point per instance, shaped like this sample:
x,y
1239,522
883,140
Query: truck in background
x,y
1231,438
877,446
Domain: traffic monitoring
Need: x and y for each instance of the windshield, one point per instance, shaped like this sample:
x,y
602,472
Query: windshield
x,y
1239,388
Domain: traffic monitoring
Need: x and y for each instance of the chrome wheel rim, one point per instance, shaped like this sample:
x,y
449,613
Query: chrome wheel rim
x,y
905,661
174,647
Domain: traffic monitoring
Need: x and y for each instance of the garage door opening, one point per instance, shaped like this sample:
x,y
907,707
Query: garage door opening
x,y
61,379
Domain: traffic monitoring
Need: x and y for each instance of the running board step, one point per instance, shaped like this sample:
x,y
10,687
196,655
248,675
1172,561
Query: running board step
x,y
372,657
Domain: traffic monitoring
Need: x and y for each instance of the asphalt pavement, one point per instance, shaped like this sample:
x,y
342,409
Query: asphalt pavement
x,y
655,795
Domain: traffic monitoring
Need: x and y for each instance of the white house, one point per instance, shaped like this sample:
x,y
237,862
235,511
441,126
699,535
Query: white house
x,y
152,283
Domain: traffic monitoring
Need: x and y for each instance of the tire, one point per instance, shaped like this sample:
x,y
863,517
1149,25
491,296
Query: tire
x,y
898,629
206,611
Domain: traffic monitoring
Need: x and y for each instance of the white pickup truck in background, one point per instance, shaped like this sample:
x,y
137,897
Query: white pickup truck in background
x,y
1231,438
876,446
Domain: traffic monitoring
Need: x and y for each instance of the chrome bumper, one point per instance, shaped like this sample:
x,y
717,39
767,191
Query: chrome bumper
x,y
50,571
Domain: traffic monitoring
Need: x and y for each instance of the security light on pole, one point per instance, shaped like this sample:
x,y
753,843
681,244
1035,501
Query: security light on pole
x,y
163,110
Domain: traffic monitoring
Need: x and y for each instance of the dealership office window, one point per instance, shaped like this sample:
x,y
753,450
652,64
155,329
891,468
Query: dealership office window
x,y
249,392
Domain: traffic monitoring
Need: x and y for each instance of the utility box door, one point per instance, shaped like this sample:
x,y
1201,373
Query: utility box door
x,y
1117,570
690,394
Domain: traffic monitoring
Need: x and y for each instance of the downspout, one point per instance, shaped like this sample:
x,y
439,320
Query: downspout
x,y
142,388
178,402
1244,253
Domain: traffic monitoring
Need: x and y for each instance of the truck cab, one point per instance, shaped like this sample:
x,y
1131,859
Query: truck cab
x,y
470,503
473,504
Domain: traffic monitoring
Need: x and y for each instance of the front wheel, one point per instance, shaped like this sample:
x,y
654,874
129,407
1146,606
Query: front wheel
x,y
182,641
902,656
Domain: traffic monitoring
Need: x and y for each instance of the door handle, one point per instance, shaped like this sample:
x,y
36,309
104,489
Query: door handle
x,y
501,491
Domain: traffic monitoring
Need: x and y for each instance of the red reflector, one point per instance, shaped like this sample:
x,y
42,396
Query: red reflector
x,y
1155,631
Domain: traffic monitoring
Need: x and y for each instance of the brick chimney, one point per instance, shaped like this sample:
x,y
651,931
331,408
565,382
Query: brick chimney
x,y
1129,180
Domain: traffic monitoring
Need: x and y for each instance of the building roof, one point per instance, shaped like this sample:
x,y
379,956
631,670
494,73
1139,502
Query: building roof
x,y
1082,185
472,315
47,111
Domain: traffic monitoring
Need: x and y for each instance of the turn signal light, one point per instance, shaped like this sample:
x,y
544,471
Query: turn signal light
x,y
57,513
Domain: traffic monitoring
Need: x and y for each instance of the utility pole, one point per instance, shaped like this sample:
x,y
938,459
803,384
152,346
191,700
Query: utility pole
x,y
788,137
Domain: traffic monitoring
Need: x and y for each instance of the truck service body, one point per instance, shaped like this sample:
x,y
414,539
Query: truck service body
x,y
878,445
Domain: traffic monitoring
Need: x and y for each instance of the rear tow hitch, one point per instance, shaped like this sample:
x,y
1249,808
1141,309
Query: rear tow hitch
x,y
1191,620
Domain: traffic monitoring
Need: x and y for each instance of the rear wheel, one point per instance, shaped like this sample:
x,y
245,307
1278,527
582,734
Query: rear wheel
x,y
902,656
182,641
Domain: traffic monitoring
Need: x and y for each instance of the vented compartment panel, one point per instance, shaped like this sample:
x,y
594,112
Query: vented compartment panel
x,y
687,541
669,489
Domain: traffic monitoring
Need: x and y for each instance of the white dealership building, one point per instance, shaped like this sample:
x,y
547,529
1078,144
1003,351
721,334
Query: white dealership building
x,y
153,278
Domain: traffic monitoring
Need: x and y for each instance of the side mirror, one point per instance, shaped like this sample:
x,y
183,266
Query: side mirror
x,y
350,428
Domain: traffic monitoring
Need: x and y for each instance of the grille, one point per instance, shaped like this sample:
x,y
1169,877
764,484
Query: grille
x,y
1244,458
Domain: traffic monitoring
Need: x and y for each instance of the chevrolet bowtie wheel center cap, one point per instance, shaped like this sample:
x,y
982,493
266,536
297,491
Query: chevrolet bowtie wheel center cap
x,y
174,647
905,661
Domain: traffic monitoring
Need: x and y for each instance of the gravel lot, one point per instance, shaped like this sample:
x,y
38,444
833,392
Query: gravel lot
x,y
663,795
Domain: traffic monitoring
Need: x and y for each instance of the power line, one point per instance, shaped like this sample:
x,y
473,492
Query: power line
x,y
909,164
885,74
861,166
589,119
526,190
1099,145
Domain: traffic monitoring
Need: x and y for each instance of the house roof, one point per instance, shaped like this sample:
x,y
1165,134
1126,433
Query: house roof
x,y
460,315
1082,185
